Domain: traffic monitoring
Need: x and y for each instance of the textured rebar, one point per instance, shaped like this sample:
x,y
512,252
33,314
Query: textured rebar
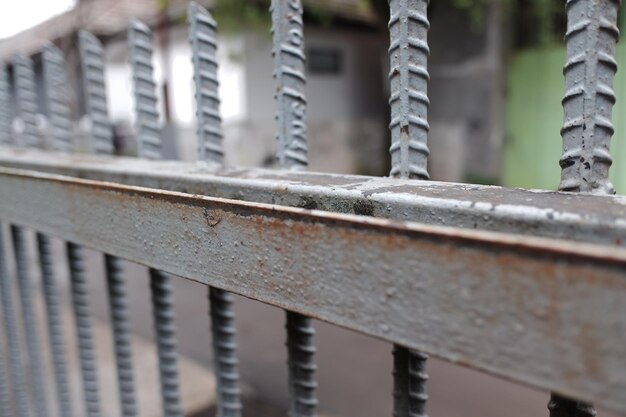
x,y
56,91
102,140
408,78
92,68
55,325
26,101
289,59
56,96
165,327
203,38
120,321
417,384
589,71
144,91
225,353
149,147
400,381
6,135
589,98
27,300
301,365
5,401
560,406
11,334
409,391
408,55
82,314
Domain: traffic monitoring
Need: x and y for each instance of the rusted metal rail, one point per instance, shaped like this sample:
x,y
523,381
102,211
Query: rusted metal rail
x,y
528,285
460,294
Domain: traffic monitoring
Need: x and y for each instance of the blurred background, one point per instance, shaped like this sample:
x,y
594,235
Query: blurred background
x,y
495,90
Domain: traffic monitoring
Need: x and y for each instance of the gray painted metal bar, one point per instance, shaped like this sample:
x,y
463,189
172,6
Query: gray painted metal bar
x,y
289,73
580,217
26,100
203,39
591,37
101,141
11,333
150,147
408,79
58,114
461,295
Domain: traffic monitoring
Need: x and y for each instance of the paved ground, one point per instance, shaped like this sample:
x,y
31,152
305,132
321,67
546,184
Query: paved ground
x,y
354,370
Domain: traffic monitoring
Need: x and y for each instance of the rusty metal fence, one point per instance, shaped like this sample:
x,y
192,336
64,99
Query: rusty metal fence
x,y
527,285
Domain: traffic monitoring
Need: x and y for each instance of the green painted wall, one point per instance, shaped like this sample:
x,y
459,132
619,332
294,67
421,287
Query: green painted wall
x,y
534,116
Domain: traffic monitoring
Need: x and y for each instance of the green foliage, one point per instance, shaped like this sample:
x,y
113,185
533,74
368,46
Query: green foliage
x,y
239,15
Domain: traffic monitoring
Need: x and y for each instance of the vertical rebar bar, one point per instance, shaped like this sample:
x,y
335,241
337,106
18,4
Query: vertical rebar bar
x,y
144,90
27,300
118,301
102,139
203,38
149,146
408,77
16,369
6,135
93,84
82,314
26,100
589,71
289,61
5,139
5,401
56,90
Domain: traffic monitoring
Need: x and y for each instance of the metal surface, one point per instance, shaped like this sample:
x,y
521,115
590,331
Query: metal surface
x,y
408,77
120,321
582,217
26,102
56,90
462,295
408,54
57,100
289,59
6,130
288,52
31,329
82,316
102,142
203,37
144,91
55,327
223,334
589,71
16,368
149,147
95,102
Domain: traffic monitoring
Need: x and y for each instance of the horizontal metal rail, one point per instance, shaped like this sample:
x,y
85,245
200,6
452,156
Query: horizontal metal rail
x,y
582,217
546,312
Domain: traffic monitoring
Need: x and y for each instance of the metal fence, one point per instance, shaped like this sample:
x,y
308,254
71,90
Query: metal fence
x,y
528,285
